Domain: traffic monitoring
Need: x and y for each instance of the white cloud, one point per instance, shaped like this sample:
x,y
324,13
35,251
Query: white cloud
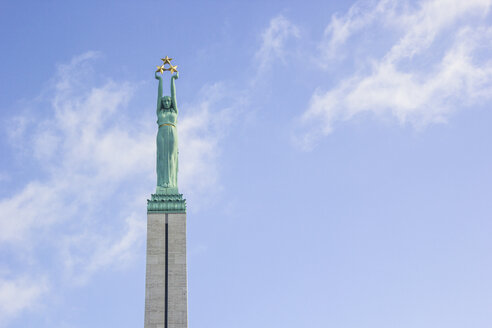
x,y
18,295
81,261
341,28
35,206
201,132
274,40
87,150
432,18
413,81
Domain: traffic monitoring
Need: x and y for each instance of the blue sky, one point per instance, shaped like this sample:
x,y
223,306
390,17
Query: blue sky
x,y
335,157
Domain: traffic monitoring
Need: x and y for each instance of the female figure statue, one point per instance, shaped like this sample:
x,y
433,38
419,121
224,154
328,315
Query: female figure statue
x,y
167,137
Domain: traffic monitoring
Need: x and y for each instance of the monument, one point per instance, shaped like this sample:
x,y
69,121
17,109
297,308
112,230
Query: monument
x,y
166,304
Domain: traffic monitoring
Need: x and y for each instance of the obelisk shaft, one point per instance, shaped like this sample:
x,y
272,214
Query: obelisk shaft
x,y
166,279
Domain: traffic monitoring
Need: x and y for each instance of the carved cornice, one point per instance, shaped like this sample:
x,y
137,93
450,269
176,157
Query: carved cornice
x,y
166,203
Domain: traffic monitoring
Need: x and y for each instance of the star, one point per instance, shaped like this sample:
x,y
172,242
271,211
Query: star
x,y
173,68
166,60
161,69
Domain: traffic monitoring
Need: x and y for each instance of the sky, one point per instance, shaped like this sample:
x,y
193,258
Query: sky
x,y
335,157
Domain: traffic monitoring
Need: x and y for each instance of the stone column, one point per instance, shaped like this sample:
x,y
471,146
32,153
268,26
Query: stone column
x,y
166,300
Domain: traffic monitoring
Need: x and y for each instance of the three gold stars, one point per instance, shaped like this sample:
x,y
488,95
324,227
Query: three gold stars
x,y
171,68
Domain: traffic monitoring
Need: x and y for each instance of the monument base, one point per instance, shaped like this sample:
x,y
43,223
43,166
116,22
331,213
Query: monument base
x,y
166,291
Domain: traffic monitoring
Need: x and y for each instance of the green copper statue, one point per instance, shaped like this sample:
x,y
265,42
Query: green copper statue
x,y
167,199
167,135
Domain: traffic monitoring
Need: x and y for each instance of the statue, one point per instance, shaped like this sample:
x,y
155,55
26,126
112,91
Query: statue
x,y
167,135
167,199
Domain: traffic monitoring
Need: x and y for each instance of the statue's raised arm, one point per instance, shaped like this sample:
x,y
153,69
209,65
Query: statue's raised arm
x,y
159,91
173,92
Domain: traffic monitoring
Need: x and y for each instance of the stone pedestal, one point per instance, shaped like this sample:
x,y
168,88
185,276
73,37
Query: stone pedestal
x,y
166,303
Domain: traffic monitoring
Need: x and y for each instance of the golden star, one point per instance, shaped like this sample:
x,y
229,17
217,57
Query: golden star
x,y
166,60
161,69
173,68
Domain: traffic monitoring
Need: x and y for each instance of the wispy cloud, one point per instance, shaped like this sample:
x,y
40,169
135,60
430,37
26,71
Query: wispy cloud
x,y
273,42
18,295
105,251
201,132
342,28
433,67
86,149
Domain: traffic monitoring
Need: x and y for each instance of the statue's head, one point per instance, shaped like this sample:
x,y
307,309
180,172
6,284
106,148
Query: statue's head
x,y
166,102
